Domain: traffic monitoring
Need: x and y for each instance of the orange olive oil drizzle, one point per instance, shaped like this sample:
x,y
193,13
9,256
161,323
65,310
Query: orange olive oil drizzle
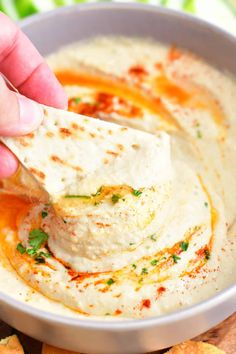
x,y
14,208
181,91
164,258
119,88
106,193
188,94
198,262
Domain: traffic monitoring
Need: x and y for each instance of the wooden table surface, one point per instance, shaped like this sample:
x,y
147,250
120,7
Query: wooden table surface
x,y
223,336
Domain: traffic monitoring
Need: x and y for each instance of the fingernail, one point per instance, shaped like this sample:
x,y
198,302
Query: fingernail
x,y
31,114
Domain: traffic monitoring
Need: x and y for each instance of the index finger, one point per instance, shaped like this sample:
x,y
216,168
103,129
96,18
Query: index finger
x,y
22,64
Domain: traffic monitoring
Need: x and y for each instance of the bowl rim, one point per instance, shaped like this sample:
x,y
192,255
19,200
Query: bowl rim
x,y
104,5
127,324
122,323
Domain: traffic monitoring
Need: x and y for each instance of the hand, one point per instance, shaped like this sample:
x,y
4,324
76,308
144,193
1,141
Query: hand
x,y
21,63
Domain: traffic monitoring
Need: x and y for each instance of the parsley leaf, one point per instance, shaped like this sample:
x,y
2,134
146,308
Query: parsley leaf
x,y
136,192
115,198
77,100
78,196
44,214
98,192
37,238
184,246
154,262
175,258
110,281
45,254
144,271
153,238
134,266
21,248
31,251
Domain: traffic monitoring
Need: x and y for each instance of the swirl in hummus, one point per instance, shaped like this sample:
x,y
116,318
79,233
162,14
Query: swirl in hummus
x,y
162,238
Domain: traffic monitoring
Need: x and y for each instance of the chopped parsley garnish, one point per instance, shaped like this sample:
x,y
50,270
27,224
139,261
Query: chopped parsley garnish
x,y
78,196
45,254
136,192
98,192
77,100
144,271
84,196
154,262
206,204
184,246
65,222
153,238
199,134
134,266
207,254
132,243
115,198
21,248
110,281
31,251
44,214
175,258
37,238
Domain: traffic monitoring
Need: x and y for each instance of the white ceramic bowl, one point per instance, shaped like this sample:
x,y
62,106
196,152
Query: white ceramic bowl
x,y
50,31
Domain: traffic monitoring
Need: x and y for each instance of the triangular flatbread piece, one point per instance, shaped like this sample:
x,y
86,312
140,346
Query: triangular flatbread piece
x,y
71,154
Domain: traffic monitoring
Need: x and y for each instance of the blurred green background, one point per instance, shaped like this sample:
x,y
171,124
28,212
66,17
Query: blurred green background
x,y
220,12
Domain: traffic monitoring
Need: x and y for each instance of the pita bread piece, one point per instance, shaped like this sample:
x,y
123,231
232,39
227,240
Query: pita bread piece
x,y
11,345
72,154
191,347
48,349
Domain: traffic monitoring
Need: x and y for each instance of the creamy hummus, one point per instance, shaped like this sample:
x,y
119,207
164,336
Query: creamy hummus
x,y
125,252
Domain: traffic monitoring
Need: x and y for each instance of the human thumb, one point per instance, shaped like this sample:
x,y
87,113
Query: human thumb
x,y
18,114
